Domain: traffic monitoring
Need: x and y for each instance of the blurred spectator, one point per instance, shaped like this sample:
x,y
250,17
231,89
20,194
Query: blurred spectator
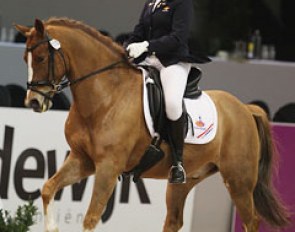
x,y
121,38
4,96
262,105
17,95
105,33
61,102
19,38
285,113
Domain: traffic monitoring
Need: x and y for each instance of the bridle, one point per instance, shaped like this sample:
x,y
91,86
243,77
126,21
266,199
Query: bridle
x,y
50,81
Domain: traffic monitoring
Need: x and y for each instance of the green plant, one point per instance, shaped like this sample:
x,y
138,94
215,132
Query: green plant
x,y
21,221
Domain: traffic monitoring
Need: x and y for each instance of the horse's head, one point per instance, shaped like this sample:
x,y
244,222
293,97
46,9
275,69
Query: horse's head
x,y
46,66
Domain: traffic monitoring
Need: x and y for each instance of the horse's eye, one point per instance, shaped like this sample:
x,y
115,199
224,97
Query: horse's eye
x,y
40,59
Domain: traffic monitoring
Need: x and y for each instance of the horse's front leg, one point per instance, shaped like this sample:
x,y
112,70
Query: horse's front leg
x,y
73,170
105,180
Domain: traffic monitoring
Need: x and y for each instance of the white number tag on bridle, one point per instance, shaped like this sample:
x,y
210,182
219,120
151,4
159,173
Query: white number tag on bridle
x,y
55,44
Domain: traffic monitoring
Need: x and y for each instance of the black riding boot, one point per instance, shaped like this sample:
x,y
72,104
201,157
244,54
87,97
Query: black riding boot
x,y
176,136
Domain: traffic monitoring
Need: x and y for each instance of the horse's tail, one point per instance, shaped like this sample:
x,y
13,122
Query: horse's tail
x,y
267,202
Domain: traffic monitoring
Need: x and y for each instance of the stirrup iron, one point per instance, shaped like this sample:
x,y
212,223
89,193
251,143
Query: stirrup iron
x,y
177,174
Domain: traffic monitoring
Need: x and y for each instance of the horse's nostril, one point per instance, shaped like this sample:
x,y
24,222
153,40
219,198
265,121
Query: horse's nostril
x,y
34,104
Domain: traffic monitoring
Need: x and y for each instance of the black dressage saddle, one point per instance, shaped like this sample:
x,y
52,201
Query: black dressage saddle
x,y
156,96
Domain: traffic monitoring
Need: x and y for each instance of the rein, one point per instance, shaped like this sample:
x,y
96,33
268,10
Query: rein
x,y
54,45
110,66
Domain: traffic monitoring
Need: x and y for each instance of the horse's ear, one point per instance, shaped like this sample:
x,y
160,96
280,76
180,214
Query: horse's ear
x,y
22,29
39,26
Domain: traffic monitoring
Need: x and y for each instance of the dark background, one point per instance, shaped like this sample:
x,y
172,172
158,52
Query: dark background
x,y
218,23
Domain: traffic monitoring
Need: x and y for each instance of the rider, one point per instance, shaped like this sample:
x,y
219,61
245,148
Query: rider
x,y
160,39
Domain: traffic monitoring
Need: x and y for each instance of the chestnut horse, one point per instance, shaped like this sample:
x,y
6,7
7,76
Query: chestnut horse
x,y
107,134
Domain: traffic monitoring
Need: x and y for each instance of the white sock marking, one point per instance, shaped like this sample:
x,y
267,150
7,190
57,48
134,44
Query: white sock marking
x,y
50,224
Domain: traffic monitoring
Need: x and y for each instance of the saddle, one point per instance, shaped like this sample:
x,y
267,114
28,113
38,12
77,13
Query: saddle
x,y
156,96
153,153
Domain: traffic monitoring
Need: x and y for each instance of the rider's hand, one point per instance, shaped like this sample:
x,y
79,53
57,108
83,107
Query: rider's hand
x,y
136,49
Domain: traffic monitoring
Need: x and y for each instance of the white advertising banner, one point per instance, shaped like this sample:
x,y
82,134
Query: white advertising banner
x,y
33,146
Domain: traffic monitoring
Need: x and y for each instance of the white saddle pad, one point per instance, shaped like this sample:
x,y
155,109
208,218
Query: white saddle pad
x,y
201,110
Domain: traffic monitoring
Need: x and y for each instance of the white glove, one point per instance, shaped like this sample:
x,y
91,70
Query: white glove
x,y
136,49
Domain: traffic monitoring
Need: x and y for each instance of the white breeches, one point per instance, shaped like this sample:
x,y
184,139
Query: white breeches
x,y
173,79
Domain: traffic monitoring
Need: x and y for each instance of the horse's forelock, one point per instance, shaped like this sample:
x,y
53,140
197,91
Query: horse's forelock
x,y
66,22
33,37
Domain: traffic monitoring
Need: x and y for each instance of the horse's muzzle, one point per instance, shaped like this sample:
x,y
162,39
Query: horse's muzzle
x,y
39,106
35,105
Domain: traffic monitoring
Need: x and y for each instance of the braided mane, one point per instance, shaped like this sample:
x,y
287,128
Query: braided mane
x,y
87,29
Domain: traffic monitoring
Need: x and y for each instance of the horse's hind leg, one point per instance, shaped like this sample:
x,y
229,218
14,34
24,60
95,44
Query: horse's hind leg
x,y
73,170
175,199
245,207
176,195
241,187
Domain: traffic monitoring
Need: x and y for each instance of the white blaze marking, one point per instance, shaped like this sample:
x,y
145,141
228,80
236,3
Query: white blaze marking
x,y
30,68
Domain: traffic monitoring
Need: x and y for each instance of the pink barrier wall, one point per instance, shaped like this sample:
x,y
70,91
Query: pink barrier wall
x,y
285,182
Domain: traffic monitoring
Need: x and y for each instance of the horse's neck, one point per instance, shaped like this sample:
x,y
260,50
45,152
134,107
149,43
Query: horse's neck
x,y
82,58
98,92
86,55
102,93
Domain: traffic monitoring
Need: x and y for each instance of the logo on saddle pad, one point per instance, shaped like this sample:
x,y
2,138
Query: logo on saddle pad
x,y
200,124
